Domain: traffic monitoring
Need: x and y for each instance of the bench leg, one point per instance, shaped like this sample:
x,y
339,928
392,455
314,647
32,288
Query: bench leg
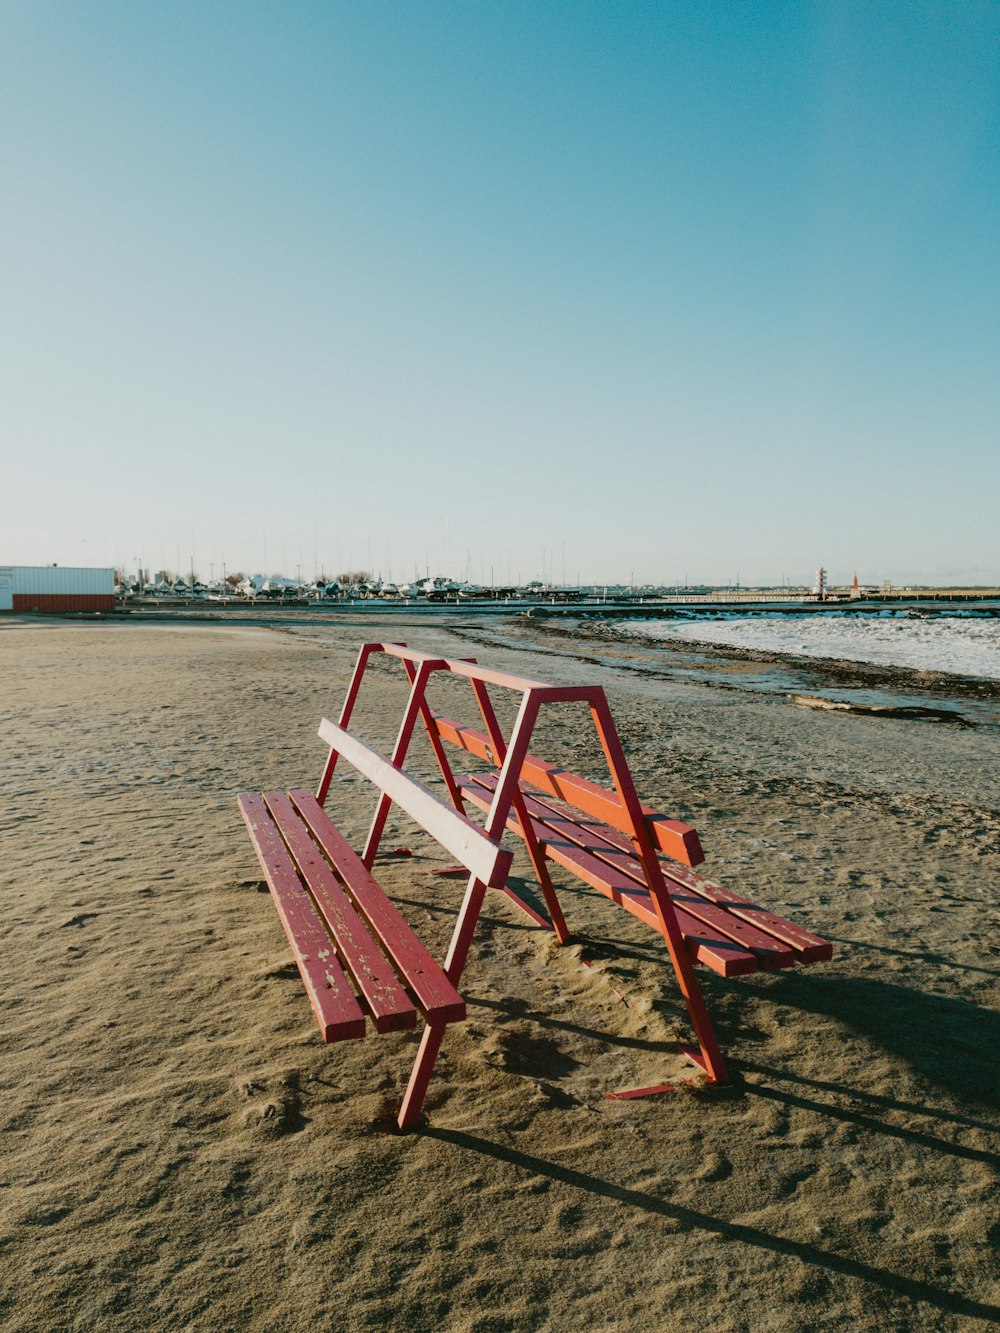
x,y
551,901
423,1067
710,1057
430,1042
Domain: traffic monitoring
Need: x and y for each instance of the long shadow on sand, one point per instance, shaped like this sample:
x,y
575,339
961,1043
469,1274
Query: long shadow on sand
x,y
872,1124
520,1009
869,1118
915,955
691,1219
950,1042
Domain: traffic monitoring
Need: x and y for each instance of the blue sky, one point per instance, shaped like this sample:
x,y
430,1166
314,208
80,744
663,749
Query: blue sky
x,y
610,289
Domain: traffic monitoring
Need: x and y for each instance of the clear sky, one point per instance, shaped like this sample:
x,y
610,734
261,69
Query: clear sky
x,y
596,288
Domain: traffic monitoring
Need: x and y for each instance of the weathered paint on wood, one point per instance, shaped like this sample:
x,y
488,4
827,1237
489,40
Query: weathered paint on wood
x,y
462,837
705,945
333,1002
673,838
437,997
373,974
807,947
774,941
616,851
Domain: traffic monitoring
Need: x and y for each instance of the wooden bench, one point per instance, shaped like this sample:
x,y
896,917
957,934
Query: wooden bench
x,y
359,959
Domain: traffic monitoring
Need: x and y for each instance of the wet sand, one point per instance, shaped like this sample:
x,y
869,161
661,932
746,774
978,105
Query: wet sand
x,y
179,1149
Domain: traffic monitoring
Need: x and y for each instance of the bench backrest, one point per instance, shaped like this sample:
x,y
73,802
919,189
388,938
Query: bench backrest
x,y
462,837
675,839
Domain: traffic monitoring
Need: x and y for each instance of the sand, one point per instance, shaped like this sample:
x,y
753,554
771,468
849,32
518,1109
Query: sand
x,y
180,1150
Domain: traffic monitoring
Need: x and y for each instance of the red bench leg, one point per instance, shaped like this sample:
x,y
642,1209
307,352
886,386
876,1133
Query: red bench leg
x,y
423,1067
711,1056
430,1042
492,724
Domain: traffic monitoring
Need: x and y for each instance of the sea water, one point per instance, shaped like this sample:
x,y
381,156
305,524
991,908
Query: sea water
x,y
961,643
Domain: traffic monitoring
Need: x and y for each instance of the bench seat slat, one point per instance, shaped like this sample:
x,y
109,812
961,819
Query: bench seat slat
x,y
391,1008
770,952
705,945
806,947
337,1011
436,996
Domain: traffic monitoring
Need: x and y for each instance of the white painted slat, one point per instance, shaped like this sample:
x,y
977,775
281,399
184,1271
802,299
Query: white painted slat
x,y
456,833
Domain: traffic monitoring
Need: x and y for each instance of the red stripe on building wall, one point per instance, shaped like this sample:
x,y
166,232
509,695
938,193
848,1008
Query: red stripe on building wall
x,y
36,601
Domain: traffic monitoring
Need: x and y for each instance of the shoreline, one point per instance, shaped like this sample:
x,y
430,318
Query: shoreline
x,y
846,671
852,672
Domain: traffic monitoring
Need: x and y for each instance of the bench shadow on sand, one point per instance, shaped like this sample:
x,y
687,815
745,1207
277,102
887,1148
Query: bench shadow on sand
x,y
946,1041
692,1219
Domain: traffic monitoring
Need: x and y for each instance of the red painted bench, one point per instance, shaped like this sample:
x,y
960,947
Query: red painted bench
x,y
358,957
362,963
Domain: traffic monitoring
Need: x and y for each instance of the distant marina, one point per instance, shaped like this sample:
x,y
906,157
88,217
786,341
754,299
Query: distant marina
x,y
946,633
360,591
945,630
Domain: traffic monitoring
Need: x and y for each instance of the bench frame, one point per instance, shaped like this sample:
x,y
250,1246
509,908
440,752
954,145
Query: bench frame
x,y
342,926
648,832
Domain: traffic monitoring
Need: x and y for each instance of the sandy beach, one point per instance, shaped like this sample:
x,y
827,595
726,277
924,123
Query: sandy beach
x,y
180,1150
